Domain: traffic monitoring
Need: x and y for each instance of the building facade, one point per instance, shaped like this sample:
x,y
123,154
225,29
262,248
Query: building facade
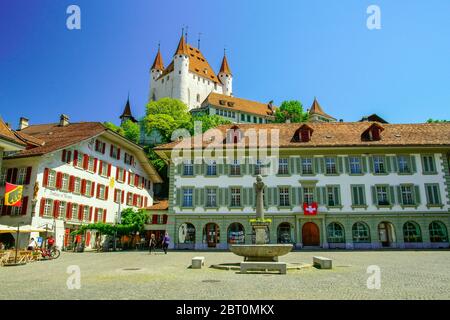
x,y
375,186
80,173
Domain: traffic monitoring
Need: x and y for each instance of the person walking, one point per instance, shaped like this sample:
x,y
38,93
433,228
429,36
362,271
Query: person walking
x,y
152,243
166,241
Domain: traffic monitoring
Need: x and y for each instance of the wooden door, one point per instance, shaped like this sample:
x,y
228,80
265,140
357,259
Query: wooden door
x,y
310,234
212,234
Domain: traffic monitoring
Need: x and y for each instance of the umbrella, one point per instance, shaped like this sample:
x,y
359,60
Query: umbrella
x,y
22,229
7,229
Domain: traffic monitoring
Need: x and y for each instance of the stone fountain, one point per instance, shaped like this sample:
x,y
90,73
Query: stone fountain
x,y
260,251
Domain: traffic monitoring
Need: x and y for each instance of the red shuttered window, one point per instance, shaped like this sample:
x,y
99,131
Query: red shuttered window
x,y
24,206
42,207
56,209
69,211
28,176
85,162
45,180
75,158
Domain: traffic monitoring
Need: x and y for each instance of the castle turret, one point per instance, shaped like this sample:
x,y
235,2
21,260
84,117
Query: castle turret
x,y
126,114
155,72
181,71
226,77
316,113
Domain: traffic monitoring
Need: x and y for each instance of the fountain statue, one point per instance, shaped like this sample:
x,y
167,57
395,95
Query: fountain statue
x,y
260,251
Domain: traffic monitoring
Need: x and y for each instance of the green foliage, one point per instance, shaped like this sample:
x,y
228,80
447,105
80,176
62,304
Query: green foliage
x,y
132,221
128,129
131,130
208,122
166,115
437,121
292,110
114,128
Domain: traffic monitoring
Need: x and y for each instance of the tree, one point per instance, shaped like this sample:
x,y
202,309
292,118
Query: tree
x,y
132,130
292,110
208,122
166,115
132,221
114,128
437,121
128,129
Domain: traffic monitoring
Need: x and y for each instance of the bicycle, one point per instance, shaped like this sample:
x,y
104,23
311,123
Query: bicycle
x,y
53,253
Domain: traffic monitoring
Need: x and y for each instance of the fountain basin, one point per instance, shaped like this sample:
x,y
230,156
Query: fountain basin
x,y
261,252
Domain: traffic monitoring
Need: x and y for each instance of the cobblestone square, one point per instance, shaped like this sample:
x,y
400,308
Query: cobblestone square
x,y
139,275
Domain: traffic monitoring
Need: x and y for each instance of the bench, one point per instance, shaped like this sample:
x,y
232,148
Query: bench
x,y
198,262
322,263
263,266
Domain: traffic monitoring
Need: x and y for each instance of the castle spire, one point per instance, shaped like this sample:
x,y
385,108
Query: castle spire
x,y
225,68
182,46
126,114
158,62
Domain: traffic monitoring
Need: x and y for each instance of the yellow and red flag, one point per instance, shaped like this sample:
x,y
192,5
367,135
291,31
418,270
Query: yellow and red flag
x,y
13,195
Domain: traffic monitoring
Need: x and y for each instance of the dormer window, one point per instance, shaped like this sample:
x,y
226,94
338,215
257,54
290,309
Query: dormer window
x,y
373,133
234,135
303,134
231,104
222,102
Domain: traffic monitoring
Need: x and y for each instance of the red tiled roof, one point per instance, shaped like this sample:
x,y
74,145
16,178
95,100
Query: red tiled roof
x,y
225,68
197,64
9,135
238,104
344,134
317,109
159,205
56,137
158,63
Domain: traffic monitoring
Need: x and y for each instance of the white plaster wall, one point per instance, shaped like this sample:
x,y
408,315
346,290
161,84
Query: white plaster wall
x,y
53,161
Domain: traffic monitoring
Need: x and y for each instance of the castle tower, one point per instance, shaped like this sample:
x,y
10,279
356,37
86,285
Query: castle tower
x,y
126,114
181,72
225,77
155,72
316,113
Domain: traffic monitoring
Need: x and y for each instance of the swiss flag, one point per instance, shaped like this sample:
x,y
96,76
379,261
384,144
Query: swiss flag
x,y
310,209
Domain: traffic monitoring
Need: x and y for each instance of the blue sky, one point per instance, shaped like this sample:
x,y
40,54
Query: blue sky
x,y
277,50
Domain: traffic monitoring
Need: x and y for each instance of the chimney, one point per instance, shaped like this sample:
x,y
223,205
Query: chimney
x,y
23,123
63,120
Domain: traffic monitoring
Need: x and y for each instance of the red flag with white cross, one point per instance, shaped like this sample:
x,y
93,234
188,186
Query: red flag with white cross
x,y
310,209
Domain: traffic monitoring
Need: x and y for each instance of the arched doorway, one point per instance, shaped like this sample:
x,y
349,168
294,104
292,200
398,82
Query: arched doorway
x,y
211,234
284,233
186,236
236,233
310,234
438,232
386,234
